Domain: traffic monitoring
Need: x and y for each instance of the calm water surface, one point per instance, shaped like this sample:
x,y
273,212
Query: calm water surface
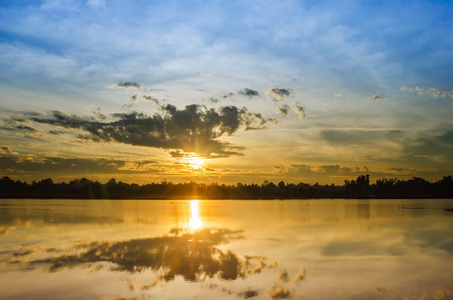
x,y
189,249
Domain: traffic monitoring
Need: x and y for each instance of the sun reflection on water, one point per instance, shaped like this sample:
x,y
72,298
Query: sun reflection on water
x,y
195,221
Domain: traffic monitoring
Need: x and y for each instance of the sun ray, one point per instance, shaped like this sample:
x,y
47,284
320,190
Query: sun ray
x,y
195,162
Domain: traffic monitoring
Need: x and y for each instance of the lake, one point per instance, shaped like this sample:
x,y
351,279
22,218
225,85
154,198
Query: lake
x,y
226,249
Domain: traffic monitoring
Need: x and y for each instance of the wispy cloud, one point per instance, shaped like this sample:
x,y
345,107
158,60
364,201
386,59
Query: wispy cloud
x,y
229,95
7,150
378,98
433,92
29,128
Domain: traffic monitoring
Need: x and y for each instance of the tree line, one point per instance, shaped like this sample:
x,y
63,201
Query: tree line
x,y
361,187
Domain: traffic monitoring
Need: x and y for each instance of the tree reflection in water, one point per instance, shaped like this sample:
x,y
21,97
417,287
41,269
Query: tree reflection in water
x,y
190,255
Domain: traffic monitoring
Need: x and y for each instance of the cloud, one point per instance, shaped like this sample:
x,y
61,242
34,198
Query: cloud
x,y
284,110
299,169
4,230
60,165
400,171
280,168
304,170
360,137
248,294
160,253
192,129
280,292
330,169
29,128
56,132
431,148
134,98
229,95
177,154
125,85
7,150
299,110
129,84
278,95
152,99
213,100
433,92
345,136
356,248
248,92
378,98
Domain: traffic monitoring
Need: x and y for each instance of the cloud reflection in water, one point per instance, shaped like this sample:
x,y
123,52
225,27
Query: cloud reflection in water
x,y
190,255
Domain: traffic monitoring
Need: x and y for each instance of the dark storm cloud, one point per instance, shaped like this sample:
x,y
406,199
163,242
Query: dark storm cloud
x,y
378,98
192,129
129,84
278,95
248,92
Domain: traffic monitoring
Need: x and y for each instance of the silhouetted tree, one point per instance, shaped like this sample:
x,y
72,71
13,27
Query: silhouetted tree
x,y
85,188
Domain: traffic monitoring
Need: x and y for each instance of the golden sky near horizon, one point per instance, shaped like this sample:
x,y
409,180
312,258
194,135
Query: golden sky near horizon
x,y
312,91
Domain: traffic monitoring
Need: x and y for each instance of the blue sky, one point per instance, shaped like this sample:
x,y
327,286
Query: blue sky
x,y
342,87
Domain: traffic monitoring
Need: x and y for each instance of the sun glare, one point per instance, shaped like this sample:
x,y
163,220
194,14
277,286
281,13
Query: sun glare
x,y
195,162
195,221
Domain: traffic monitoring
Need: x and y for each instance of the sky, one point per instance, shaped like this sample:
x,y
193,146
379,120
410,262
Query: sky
x,y
226,91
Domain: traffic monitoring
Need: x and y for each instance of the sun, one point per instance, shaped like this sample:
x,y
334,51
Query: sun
x,y
195,162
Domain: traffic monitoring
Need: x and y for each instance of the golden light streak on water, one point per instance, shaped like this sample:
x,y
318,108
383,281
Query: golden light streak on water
x,y
195,221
